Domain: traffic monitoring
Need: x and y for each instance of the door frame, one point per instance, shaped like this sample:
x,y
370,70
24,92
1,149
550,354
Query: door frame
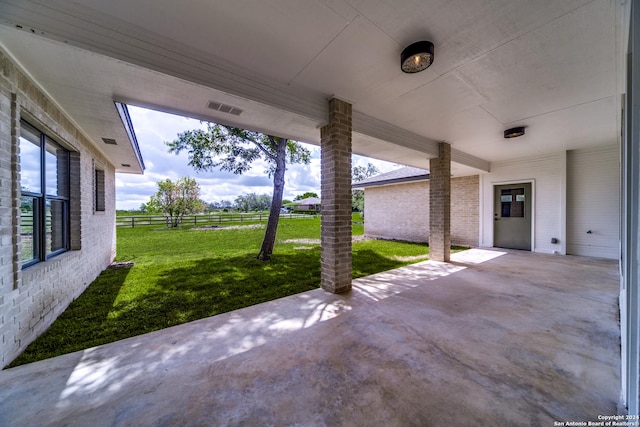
x,y
495,184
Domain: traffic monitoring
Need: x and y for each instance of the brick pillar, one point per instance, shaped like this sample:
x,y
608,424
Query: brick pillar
x,y
335,143
440,204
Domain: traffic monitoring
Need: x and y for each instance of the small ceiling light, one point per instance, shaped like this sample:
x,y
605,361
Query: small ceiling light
x,y
416,57
514,132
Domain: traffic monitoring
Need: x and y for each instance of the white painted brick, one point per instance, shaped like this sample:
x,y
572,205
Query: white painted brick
x,y
30,299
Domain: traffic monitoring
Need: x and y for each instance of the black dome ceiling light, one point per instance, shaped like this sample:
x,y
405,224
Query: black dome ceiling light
x,y
416,57
514,132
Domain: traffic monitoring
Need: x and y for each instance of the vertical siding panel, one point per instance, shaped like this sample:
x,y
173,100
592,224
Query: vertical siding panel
x,y
593,202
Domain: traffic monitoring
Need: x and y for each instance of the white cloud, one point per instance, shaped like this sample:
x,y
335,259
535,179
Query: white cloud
x,y
153,128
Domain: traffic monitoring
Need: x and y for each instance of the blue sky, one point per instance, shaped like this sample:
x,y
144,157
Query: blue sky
x,y
153,128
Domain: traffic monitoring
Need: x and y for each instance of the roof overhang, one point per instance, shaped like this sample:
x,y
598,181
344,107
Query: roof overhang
x,y
547,65
394,181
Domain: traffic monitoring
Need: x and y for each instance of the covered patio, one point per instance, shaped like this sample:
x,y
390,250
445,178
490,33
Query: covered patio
x,y
539,99
487,339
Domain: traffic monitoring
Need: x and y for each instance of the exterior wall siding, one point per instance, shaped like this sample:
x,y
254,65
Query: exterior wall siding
x,y
573,191
593,202
401,211
31,298
548,177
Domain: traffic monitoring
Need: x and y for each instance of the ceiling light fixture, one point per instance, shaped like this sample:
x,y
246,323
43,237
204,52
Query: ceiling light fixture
x,y
514,132
416,57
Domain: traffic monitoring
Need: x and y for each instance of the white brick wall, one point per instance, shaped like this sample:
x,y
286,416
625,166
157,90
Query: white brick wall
x,y
401,211
32,298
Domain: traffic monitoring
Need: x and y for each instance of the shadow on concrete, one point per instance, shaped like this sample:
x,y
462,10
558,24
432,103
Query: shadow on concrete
x,y
515,348
190,291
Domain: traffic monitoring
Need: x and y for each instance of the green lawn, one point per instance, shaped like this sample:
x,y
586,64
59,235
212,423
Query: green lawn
x,y
182,275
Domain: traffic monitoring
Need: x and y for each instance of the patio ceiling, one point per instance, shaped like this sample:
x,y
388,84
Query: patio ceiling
x,y
546,65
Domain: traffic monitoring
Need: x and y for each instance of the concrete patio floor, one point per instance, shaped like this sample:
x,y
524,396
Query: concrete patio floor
x,y
494,338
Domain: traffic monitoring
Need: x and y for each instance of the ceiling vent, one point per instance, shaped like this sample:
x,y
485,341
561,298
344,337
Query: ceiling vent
x,y
224,108
110,141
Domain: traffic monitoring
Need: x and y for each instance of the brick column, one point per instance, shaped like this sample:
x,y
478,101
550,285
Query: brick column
x,y
335,144
440,204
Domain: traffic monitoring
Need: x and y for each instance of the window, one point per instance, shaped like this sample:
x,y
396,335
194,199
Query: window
x,y
44,184
512,202
99,190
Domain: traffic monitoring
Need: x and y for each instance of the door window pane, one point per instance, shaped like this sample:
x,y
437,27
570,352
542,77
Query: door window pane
x,y
512,202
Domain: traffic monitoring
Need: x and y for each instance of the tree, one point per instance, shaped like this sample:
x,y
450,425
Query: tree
x,y
150,207
306,195
176,199
253,202
218,206
359,173
234,150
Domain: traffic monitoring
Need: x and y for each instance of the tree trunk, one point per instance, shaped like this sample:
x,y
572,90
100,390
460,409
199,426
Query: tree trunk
x,y
276,201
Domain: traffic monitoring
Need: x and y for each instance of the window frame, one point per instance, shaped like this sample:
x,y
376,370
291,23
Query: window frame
x,y
42,200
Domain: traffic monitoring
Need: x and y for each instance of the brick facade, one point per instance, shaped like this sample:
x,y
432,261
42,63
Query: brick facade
x,y
465,210
440,204
401,211
335,145
31,298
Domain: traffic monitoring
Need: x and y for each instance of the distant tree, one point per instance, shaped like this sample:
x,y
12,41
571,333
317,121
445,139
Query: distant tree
x,y
359,173
306,195
177,199
233,149
253,202
218,206
226,204
150,207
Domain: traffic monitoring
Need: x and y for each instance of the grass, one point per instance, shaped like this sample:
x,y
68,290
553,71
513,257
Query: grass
x,y
182,275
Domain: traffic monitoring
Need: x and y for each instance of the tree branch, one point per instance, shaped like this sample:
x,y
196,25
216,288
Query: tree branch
x,y
261,146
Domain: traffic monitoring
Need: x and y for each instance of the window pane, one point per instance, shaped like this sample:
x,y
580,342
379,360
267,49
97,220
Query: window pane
x,y
30,178
57,170
512,206
55,225
27,228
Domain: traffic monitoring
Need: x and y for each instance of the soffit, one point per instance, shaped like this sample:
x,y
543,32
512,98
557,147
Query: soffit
x,y
547,65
